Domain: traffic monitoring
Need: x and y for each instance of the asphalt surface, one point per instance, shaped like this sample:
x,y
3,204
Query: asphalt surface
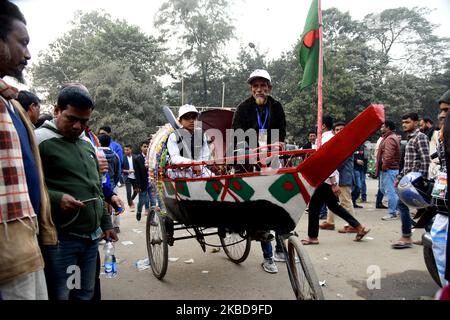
x,y
348,270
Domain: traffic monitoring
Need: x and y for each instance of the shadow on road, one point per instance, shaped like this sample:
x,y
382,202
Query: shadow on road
x,y
408,285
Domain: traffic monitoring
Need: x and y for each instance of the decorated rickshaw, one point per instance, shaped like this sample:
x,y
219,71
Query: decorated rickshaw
x,y
245,193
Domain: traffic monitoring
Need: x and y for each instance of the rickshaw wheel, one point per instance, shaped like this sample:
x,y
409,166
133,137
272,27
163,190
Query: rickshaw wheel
x,y
236,247
303,278
157,247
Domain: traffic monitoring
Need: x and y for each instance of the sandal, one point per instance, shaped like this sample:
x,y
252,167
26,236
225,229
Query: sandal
x,y
401,245
307,242
361,234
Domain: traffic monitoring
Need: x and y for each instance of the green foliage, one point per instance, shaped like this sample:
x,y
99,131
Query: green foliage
x,y
202,29
119,65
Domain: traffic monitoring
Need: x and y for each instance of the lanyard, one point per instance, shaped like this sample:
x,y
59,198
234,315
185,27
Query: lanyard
x,y
262,125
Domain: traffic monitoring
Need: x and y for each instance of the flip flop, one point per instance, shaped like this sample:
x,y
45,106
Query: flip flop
x,y
401,245
361,234
307,242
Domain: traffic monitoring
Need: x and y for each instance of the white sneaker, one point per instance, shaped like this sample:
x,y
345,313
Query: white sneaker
x,y
280,257
269,266
390,217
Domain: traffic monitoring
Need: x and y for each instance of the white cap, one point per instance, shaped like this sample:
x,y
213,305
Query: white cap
x,y
259,73
186,109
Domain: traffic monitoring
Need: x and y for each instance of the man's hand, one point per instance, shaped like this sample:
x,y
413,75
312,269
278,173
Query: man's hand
x,y
103,164
197,170
336,190
69,204
111,234
116,202
360,162
396,183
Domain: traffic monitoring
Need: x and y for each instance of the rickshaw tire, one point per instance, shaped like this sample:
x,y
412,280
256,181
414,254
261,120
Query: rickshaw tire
x,y
158,259
305,266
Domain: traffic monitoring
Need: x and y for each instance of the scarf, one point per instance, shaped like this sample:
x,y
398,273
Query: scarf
x,y
15,202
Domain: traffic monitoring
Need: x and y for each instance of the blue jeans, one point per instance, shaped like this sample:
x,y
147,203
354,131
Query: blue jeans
x,y
380,195
387,179
62,263
363,187
266,247
143,200
406,219
357,186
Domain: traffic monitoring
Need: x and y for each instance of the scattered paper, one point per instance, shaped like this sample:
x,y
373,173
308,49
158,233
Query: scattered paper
x,y
323,283
173,259
190,261
136,230
142,264
340,295
205,271
325,258
369,238
127,243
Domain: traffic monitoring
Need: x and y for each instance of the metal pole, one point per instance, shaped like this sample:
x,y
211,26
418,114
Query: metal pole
x,y
319,80
223,94
182,91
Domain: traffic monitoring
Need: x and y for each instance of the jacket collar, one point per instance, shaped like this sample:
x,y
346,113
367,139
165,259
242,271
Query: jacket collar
x,y
6,91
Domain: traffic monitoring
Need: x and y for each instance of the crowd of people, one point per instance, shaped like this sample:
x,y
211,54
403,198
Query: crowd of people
x,y
59,179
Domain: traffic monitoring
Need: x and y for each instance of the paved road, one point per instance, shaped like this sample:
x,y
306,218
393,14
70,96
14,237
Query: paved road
x,y
343,264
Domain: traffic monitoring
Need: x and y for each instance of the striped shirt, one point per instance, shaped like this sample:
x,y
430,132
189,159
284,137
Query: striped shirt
x,y
417,154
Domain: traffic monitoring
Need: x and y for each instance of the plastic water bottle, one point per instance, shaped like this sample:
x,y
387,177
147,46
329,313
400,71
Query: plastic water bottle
x,y
101,156
110,260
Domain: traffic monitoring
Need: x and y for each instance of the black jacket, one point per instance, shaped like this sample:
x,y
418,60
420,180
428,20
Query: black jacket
x,y
140,171
125,165
245,117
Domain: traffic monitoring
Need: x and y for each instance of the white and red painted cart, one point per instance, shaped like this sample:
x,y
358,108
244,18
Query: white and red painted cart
x,y
238,200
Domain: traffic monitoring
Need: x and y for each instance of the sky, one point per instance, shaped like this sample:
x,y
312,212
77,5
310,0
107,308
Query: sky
x,y
273,26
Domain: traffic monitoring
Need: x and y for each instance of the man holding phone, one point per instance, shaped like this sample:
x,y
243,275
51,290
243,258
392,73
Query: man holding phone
x,y
73,179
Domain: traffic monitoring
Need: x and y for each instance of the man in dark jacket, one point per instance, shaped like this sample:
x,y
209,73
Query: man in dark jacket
x,y
261,116
311,144
358,172
261,112
387,166
141,173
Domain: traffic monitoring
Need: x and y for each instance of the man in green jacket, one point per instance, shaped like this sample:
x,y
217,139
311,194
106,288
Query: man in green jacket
x,y
74,185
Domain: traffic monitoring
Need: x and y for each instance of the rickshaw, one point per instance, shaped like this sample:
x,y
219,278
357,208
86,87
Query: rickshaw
x,y
245,193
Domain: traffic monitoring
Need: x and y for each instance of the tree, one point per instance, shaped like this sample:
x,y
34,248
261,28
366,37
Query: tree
x,y
202,29
119,65
405,38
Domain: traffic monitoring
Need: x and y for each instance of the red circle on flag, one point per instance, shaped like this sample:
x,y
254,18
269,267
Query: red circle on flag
x,y
216,186
236,185
288,186
180,187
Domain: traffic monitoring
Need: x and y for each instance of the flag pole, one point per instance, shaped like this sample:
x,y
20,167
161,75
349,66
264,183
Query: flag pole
x,y
319,80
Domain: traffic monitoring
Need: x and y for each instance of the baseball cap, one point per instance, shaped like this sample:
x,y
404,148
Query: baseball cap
x,y
259,73
186,109
445,98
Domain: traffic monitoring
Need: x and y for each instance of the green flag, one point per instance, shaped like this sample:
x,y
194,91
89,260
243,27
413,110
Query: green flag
x,y
309,47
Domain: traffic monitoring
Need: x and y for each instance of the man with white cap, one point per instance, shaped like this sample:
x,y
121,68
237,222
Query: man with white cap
x,y
185,145
188,144
265,115
261,111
